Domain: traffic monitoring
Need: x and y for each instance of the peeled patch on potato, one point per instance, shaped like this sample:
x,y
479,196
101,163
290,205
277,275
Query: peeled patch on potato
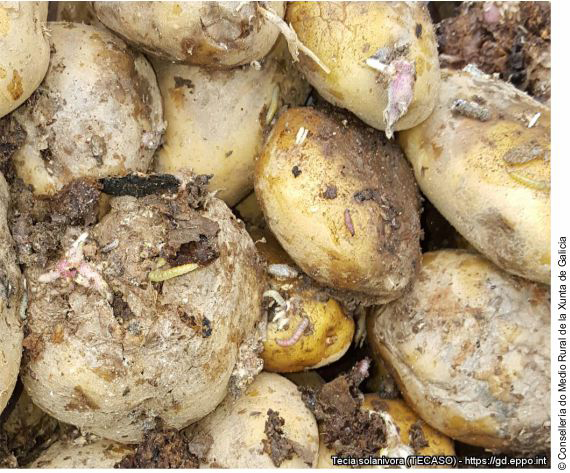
x,y
382,57
268,427
217,118
25,51
217,34
11,292
143,317
470,349
483,159
97,113
342,202
419,437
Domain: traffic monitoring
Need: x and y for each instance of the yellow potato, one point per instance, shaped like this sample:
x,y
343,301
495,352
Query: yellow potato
x,y
217,118
488,176
382,58
342,202
328,330
469,348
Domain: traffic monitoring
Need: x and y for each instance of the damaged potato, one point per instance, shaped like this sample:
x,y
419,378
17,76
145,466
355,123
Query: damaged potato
x,y
483,159
11,305
142,317
267,427
218,34
25,51
469,348
306,327
217,118
342,202
382,57
97,113
508,38
81,453
416,435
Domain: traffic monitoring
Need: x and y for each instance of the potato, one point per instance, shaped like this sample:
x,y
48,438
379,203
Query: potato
x,y
308,378
469,348
382,58
483,159
25,51
218,34
406,422
97,113
142,317
306,327
11,292
244,431
217,118
99,453
342,202
309,331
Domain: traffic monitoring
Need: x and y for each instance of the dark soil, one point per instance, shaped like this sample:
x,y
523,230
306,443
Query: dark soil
x,y
513,41
167,449
277,445
344,425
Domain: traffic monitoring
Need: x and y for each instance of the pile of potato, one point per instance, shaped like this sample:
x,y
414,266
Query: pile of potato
x,y
211,234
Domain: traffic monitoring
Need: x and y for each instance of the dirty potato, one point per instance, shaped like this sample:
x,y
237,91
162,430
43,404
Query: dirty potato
x,y
11,291
414,435
342,202
217,118
81,453
97,113
142,317
267,427
483,159
306,327
25,51
218,34
382,58
469,348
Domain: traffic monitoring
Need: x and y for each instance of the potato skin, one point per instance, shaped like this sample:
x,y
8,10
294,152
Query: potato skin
x,y
344,34
404,418
371,193
237,427
217,118
11,330
97,113
465,167
213,34
112,368
68,454
25,51
469,348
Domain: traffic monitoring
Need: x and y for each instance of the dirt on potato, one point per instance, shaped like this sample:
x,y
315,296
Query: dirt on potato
x,y
38,224
508,38
277,445
344,425
168,449
417,436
